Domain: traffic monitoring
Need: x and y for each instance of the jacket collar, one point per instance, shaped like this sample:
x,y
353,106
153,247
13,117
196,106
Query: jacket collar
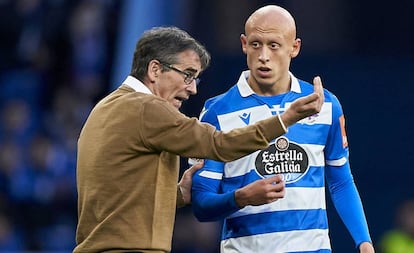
x,y
137,85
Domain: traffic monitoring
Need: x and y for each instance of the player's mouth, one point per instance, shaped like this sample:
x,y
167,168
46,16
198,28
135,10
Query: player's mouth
x,y
263,71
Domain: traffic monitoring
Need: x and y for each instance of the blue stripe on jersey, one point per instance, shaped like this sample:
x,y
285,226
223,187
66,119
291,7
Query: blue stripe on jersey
x,y
275,222
313,178
300,133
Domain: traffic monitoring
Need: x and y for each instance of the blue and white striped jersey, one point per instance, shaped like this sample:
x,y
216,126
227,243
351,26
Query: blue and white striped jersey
x,y
312,147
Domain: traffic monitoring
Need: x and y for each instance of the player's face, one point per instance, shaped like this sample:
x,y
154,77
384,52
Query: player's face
x,y
269,49
172,85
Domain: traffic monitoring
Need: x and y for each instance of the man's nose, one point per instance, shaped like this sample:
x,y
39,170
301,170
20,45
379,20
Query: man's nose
x,y
192,87
264,55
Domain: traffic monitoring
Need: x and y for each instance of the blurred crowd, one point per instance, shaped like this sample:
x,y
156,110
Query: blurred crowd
x,y
54,61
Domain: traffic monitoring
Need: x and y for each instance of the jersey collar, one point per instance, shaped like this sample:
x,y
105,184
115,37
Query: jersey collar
x,y
246,90
137,85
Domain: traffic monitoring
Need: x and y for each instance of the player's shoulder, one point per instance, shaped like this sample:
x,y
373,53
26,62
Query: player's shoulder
x,y
223,99
218,104
211,101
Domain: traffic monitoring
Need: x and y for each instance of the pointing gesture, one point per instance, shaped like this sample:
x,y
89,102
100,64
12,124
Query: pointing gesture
x,y
305,106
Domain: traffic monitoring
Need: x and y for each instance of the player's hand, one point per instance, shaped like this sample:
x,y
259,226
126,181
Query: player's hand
x,y
366,247
305,106
261,192
186,181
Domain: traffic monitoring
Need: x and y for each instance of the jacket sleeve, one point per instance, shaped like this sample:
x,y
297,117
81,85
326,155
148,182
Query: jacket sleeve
x,y
209,203
163,128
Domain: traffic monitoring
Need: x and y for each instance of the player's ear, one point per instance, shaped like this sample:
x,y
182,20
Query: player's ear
x,y
295,48
243,40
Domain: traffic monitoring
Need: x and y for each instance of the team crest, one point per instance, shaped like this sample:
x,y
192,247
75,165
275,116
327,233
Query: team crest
x,y
285,158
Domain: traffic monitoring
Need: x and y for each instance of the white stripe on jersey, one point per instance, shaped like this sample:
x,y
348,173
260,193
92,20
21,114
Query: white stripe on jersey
x,y
304,199
338,162
211,174
240,166
248,116
324,116
289,241
251,115
245,164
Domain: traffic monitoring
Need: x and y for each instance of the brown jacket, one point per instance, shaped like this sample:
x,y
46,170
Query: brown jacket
x,y
128,166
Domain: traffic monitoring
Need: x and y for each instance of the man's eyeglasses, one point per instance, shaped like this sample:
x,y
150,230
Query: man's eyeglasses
x,y
188,77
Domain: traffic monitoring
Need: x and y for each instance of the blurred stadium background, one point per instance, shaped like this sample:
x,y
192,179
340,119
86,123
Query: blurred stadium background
x,y
58,57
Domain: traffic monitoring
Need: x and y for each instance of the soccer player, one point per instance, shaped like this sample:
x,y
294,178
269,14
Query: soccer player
x,y
314,149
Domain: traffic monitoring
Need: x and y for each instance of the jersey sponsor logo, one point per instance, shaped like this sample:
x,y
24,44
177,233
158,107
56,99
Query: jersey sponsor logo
x,y
245,117
285,158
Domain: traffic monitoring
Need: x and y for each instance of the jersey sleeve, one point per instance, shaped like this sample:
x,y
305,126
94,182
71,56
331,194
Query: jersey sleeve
x,y
209,203
342,188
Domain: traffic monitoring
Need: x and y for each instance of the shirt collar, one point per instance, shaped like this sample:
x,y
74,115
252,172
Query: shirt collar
x,y
246,90
137,85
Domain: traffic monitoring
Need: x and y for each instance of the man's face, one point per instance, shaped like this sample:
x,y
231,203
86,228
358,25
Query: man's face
x,y
172,85
269,49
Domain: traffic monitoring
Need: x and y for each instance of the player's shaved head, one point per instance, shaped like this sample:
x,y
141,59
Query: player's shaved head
x,y
270,18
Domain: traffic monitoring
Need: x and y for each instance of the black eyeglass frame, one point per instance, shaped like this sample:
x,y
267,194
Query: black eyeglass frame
x,y
188,77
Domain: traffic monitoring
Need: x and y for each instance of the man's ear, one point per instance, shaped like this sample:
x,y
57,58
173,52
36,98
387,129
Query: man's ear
x,y
154,69
296,48
243,40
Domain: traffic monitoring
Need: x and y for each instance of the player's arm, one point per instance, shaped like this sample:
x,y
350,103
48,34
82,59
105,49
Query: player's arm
x,y
347,202
208,203
343,190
